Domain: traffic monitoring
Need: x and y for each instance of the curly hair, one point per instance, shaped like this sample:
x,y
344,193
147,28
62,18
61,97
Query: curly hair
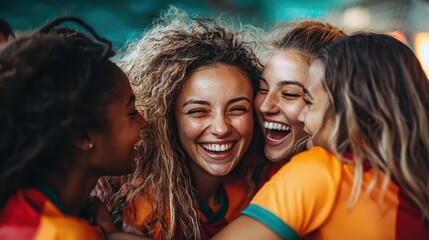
x,y
379,97
52,87
158,65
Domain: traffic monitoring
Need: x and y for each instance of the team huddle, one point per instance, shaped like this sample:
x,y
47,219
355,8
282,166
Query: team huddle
x,y
197,130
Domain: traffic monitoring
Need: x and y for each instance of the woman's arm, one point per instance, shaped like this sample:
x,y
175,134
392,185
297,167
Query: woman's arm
x,y
245,227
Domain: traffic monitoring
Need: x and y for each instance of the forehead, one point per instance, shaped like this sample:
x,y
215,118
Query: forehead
x,y
286,65
123,87
217,79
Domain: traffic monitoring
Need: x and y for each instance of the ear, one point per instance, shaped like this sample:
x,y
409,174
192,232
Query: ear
x,y
84,140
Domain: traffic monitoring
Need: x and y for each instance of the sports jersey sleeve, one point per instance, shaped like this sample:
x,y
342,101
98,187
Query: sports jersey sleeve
x,y
300,196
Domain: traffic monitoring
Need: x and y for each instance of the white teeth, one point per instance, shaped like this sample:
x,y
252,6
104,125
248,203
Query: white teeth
x,y
217,147
276,126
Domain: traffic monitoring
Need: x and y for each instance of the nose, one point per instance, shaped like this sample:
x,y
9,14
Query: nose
x,y
220,126
269,104
141,121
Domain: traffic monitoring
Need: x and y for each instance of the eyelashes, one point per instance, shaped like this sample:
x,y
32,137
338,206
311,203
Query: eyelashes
x,y
234,111
133,113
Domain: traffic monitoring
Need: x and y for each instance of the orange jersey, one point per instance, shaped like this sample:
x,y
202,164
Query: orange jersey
x,y
309,196
234,198
29,214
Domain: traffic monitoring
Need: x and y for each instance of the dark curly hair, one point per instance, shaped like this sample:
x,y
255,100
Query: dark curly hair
x,y
52,86
6,29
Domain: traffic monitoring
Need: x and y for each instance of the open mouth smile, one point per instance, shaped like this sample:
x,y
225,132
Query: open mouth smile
x,y
276,131
217,147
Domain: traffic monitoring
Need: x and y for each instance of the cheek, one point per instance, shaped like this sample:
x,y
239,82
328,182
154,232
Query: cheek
x,y
244,125
292,110
190,129
313,122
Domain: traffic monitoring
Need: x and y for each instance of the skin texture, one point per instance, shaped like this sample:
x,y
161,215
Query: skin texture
x,y
210,115
246,227
318,122
279,101
116,148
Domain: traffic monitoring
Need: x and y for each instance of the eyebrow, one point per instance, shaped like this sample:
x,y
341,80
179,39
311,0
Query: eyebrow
x,y
234,100
193,101
285,82
131,100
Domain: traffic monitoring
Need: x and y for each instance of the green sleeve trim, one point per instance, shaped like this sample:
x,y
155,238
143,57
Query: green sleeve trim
x,y
272,221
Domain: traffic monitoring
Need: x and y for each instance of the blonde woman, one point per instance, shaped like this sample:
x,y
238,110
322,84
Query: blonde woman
x,y
367,106
195,82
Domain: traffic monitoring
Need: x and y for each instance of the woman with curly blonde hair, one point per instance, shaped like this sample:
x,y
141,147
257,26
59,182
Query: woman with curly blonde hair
x,y
195,82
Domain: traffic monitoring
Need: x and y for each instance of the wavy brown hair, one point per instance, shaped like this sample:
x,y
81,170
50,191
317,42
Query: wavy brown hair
x,y
379,95
158,65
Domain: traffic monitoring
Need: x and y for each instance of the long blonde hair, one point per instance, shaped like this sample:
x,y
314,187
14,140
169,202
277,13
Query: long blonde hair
x,y
158,65
380,99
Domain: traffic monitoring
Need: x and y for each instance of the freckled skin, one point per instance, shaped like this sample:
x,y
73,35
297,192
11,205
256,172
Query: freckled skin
x,y
218,111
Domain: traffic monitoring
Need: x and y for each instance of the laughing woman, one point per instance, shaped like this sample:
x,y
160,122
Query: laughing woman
x,y
195,82
291,48
367,112
67,117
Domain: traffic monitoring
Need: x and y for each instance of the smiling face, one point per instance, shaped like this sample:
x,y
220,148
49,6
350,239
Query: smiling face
x,y
317,122
279,101
215,119
115,146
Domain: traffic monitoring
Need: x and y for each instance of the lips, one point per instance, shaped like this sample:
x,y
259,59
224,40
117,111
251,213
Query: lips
x,y
218,152
276,132
217,147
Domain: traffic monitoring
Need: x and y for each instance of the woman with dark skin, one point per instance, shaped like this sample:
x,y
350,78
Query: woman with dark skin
x,y
67,117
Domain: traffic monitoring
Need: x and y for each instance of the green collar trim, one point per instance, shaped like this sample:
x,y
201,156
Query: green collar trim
x,y
213,217
50,194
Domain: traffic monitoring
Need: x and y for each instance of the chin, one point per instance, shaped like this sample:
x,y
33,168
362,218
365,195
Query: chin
x,y
278,155
276,158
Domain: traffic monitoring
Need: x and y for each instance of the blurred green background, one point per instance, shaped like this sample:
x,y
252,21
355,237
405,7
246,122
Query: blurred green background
x,y
118,20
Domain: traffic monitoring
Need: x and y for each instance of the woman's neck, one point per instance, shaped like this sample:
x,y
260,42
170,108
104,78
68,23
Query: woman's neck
x,y
206,185
71,188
